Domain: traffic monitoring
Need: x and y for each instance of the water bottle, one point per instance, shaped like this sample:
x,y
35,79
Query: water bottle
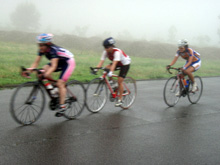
x,y
49,86
53,90
186,83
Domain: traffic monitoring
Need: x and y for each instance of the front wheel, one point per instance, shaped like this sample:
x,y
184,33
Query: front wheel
x,y
97,95
170,91
76,99
27,103
130,92
194,97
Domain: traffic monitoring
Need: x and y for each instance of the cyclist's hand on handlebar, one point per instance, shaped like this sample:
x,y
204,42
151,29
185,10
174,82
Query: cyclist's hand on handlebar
x,y
25,74
94,71
168,67
182,69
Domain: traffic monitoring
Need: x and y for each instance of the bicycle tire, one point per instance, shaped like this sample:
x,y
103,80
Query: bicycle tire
x,y
95,97
128,100
29,101
175,99
75,105
200,88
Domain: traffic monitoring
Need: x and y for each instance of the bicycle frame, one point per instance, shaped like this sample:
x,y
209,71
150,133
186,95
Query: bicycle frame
x,y
41,82
180,77
105,79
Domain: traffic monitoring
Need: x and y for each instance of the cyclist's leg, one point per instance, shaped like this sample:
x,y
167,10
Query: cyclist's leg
x,y
67,71
123,72
194,67
189,71
108,66
46,67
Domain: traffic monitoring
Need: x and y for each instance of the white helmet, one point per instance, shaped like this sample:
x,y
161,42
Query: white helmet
x,y
183,43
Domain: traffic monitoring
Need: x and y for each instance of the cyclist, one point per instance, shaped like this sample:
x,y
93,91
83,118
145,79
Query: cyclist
x,y
119,60
60,60
193,61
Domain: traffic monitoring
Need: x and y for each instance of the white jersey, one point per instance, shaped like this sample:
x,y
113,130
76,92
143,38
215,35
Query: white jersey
x,y
117,55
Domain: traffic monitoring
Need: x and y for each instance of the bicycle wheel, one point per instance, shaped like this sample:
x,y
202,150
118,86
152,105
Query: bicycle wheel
x,y
27,103
194,97
131,88
170,89
76,98
97,95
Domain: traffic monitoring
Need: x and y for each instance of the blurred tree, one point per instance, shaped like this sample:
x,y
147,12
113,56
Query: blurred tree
x,y
125,35
203,40
172,34
26,17
81,31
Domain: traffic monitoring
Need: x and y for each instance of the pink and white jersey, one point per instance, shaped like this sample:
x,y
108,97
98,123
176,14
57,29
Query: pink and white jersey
x,y
117,55
57,52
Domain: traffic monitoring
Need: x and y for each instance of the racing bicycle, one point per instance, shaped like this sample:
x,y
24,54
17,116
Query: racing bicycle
x,y
179,84
28,100
97,91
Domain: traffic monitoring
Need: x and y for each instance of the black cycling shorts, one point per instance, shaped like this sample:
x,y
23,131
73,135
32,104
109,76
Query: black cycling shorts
x,y
123,70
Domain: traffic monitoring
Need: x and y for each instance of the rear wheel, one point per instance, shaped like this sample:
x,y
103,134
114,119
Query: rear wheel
x,y
97,95
194,97
27,103
170,90
76,98
130,88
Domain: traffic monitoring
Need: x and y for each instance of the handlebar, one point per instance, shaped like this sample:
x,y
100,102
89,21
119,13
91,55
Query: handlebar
x,y
93,69
168,69
39,71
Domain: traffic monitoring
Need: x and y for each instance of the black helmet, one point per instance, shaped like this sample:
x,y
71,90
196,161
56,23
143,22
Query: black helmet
x,y
108,42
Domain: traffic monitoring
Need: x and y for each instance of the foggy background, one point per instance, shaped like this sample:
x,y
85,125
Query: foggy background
x,y
158,20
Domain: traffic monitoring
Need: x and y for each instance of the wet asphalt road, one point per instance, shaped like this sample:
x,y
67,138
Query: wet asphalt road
x,y
148,133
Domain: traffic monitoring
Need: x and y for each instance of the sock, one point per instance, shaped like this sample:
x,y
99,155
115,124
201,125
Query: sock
x,y
62,105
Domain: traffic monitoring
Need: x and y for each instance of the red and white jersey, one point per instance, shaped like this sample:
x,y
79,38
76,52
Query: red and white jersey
x,y
117,55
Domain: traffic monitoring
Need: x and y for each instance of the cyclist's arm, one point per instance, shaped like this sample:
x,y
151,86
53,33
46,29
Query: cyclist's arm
x,y
36,62
100,63
174,60
113,66
103,57
54,63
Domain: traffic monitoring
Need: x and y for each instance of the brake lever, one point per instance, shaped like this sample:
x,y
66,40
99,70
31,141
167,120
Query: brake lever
x,y
169,71
92,71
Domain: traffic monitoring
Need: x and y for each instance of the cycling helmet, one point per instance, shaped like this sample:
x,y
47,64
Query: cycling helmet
x,y
44,38
108,42
182,43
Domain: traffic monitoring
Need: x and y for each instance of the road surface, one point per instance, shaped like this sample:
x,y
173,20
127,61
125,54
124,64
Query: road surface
x,y
148,133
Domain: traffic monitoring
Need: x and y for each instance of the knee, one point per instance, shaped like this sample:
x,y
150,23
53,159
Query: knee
x,y
60,83
120,80
187,72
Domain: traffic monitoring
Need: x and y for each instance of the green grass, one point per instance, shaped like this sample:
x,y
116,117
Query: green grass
x,y
14,55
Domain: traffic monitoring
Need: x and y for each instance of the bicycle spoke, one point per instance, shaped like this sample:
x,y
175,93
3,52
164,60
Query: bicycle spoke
x,y
36,105
33,113
22,110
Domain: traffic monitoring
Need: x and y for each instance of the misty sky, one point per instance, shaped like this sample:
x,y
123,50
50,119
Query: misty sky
x,y
143,19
